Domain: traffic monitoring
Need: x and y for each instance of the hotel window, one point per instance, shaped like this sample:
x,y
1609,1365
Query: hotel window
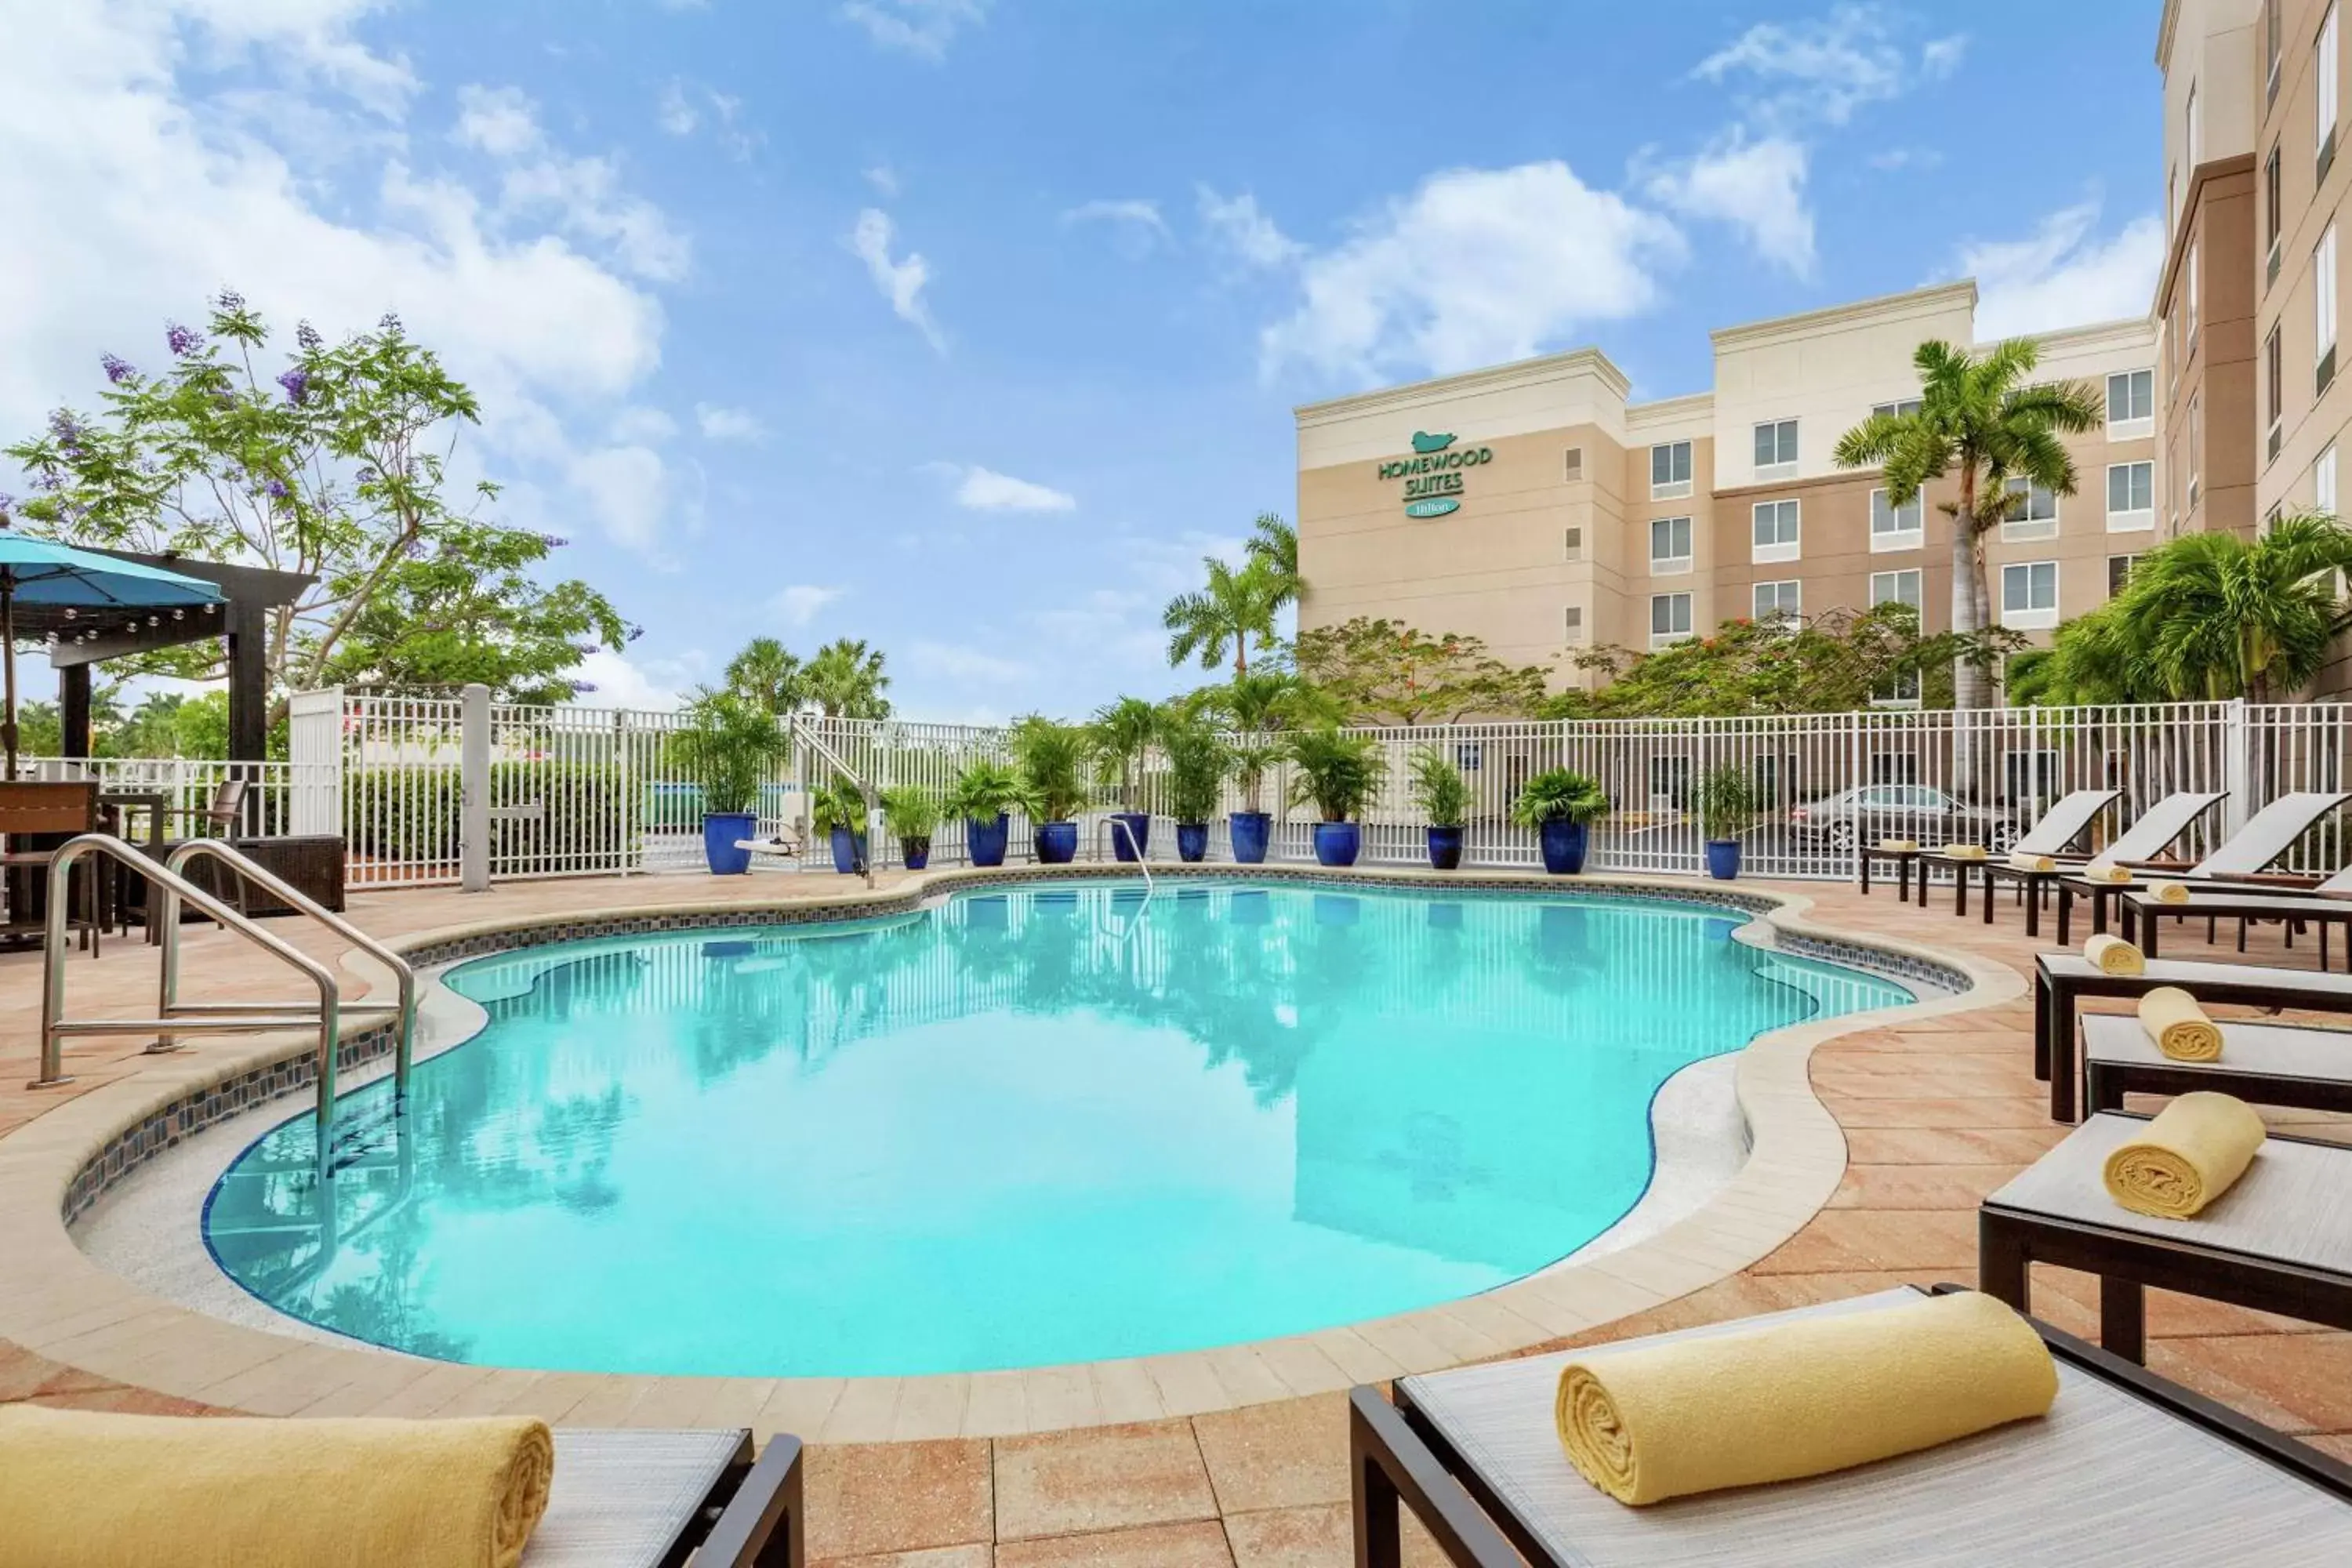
x,y
2029,593
1670,545
2323,482
1896,527
2270,218
2323,307
2032,512
2118,573
1572,623
1901,409
1894,588
1775,537
2273,391
1784,601
2196,138
1776,449
1572,465
1572,542
2274,31
2131,497
2195,444
2324,72
2172,199
1670,618
1670,471
2191,308
2131,405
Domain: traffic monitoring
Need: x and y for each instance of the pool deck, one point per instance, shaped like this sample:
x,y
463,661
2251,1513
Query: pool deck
x,y
1924,1114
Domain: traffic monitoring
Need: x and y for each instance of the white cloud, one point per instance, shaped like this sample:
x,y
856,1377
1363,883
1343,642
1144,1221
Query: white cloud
x,y
685,108
677,113
1235,225
883,178
923,27
1109,624
798,605
313,36
900,282
1476,267
626,489
1894,159
642,424
729,423
957,662
984,489
1755,187
1942,56
1825,69
616,680
1136,224
2064,274
500,121
585,196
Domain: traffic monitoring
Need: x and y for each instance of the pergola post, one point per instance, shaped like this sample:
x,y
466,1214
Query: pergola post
x,y
73,709
249,681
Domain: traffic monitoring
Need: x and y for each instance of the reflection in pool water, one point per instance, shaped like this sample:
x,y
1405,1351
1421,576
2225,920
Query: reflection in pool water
x,y
1054,1124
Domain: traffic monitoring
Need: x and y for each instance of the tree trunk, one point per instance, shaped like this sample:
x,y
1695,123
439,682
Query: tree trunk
x,y
1968,606
1241,658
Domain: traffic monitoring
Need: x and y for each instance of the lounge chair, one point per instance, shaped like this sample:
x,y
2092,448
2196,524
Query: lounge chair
x,y
2279,1240
2267,835
652,1498
2067,820
2128,1468
2326,904
2060,980
2266,1064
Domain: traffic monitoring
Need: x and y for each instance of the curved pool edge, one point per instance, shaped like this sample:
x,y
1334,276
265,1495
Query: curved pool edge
x,y
66,1307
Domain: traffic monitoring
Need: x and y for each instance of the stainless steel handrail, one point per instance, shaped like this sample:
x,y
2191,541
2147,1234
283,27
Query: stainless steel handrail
x,y
54,1026
1142,865
269,882
866,791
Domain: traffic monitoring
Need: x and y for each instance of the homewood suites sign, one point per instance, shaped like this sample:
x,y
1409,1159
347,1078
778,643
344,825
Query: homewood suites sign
x,y
1433,474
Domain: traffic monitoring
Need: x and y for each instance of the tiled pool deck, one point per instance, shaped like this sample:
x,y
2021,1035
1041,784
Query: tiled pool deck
x,y
1934,1113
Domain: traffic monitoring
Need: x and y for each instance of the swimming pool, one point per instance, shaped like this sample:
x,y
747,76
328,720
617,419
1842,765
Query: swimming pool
x,y
1059,1123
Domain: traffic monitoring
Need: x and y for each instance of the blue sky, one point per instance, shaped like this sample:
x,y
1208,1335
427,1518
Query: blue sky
x,y
968,326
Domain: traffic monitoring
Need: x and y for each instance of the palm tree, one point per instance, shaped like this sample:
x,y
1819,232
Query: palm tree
x,y
1234,608
1121,732
770,674
846,679
2214,616
1978,420
1274,544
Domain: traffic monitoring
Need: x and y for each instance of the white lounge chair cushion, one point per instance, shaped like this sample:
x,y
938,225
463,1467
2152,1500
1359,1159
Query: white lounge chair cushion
x,y
2270,1050
620,1499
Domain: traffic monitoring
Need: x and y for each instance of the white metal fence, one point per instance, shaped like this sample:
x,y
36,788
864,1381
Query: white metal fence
x,y
578,790
183,788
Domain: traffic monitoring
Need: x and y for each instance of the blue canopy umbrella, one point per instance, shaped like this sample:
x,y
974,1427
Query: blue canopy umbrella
x,y
40,571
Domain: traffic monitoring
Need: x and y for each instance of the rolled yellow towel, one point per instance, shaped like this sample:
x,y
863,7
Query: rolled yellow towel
x,y
2180,1029
2169,892
78,1487
2114,955
1964,851
2106,871
1802,1397
1898,845
2028,862
2187,1157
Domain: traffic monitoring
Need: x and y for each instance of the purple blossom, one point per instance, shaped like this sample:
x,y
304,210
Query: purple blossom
x,y
68,433
582,688
183,340
297,382
117,369
553,541
228,299
583,649
637,632
278,490
308,336
389,323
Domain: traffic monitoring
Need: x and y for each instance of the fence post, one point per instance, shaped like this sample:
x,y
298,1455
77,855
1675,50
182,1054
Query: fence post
x,y
2237,764
473,790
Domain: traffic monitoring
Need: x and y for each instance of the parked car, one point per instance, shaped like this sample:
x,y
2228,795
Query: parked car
x,y
1921,812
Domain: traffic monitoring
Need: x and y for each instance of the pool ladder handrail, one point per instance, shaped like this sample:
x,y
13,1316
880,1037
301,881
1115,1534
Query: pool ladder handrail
x,y
795,729
1119,825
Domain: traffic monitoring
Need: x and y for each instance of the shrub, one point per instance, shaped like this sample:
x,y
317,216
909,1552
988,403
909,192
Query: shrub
x,y
1560,795
1337,773
1439,788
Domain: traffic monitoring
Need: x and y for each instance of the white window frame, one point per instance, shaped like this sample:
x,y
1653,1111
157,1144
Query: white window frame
x,y
2323,296
1883,540
1793,613
2192,311
2029,527
2028,616
1672,566
2325,91
1886,588
2129,561
1571,619
1896,409
1787,550
2194,130
1779,467
2131,519
2196,444
1668,638
1672,488
2130,427
1571,543
2322,481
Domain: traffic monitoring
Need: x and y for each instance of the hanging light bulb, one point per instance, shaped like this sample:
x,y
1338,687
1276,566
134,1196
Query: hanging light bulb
x,y
155,620
179,614
71,612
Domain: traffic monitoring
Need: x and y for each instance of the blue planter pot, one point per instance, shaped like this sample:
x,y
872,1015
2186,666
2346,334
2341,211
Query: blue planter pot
x,y
721,831
916,853
985,840
1337,842
1564,845
1723,858
1193,842
847,850
1057,843
1138,823
1250,830
1444,848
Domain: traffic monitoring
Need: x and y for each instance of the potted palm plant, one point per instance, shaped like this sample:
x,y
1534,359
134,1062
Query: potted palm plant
x,y
1727,807
983,796
1197,761
912,811
1444,796
1561,807
1337,774
1121,734
1252,826
839,811
1053,762
728,746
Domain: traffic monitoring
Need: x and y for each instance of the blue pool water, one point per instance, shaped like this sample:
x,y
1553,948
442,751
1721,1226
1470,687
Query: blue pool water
x,y
1023,1128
